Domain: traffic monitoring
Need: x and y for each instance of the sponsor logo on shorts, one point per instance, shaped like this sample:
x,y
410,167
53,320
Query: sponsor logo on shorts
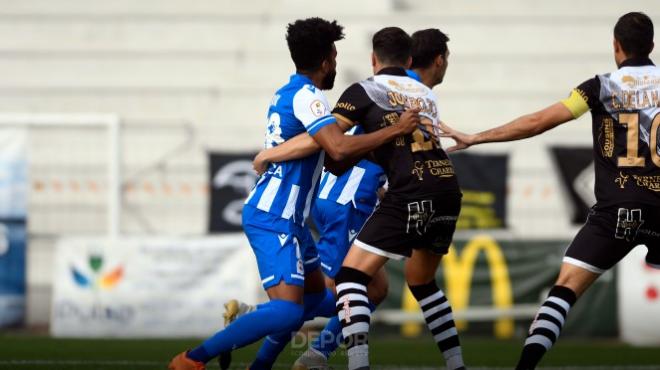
x,y
419,215
628,223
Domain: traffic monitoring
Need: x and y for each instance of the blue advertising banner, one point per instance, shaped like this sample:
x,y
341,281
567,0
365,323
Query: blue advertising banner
x,y
12,272
13,206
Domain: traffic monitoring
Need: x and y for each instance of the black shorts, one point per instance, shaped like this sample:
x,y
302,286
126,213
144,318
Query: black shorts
x,y
398,226
610,233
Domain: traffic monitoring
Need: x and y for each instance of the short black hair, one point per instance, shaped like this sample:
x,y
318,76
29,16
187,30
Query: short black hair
x,y
634,31
310,41
427,45
392,45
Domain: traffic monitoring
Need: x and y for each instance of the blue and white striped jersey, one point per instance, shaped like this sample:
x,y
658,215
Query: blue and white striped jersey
x,y
358,186
286,189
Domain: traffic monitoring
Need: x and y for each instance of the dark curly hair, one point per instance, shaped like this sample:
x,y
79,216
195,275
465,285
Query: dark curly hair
x,y
426,46
310,41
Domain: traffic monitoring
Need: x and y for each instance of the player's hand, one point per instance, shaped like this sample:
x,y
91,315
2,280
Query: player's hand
x,y
260,163
408,121
463,140
431,130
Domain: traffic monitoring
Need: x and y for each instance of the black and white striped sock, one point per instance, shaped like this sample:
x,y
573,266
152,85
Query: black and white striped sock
x,y
355,315
438,315
545,328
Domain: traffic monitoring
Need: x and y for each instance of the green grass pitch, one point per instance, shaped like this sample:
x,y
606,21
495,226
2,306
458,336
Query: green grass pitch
x,y
387,352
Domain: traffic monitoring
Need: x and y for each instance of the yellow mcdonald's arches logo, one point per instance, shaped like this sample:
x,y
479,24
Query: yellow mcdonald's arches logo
x,y
458,272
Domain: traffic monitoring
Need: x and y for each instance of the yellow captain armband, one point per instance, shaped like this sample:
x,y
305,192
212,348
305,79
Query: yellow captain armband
x,y
344,122
576,103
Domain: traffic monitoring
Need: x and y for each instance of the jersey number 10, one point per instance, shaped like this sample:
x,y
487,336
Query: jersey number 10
x,y
632,158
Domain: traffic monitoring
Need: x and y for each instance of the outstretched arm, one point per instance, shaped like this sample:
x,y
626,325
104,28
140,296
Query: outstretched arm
x,y
341,147
520,128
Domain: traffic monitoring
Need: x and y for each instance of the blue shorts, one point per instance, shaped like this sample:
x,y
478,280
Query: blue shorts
x,y
282,256
338,225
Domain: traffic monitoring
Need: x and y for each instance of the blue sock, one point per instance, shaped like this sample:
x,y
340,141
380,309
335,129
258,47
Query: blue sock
x,y
316,304
330,337
321,305
272,317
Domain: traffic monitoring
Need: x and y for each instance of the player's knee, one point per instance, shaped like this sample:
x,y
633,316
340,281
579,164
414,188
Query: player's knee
x,y
575,278
418,276
377,290
286,315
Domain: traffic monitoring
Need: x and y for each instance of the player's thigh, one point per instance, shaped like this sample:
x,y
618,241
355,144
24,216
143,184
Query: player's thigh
x,y
441,225
433,237
598,246
364,261
335,225
385,233
421,267
278,255
649,234
287,292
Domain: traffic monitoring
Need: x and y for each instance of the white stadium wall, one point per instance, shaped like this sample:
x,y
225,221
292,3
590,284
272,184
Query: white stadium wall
x,y
187,77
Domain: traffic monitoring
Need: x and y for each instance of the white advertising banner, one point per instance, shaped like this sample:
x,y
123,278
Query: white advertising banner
x,y
149,287
639,300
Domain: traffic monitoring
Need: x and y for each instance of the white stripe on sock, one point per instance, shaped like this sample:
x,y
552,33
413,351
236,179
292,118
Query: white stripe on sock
x,y
552,312
439,321
435,296
539,339
357,310
445,334
358,327
455,361
454,351
428,313
350,297
548,325
358,356
562,303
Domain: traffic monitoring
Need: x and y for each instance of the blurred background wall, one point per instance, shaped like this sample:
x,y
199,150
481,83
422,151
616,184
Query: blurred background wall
x,y
190,77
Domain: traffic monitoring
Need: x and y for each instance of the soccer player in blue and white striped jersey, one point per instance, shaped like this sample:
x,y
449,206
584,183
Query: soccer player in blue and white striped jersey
x,y
275,211
344,204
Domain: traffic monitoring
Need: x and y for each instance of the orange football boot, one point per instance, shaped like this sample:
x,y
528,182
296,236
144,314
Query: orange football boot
x,y
182,362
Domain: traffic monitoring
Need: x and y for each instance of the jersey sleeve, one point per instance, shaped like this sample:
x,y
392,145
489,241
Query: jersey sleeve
x,y
352,104
312,109
583,98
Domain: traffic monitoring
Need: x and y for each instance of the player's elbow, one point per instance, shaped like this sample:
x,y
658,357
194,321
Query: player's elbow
x,y
536,124
337,152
